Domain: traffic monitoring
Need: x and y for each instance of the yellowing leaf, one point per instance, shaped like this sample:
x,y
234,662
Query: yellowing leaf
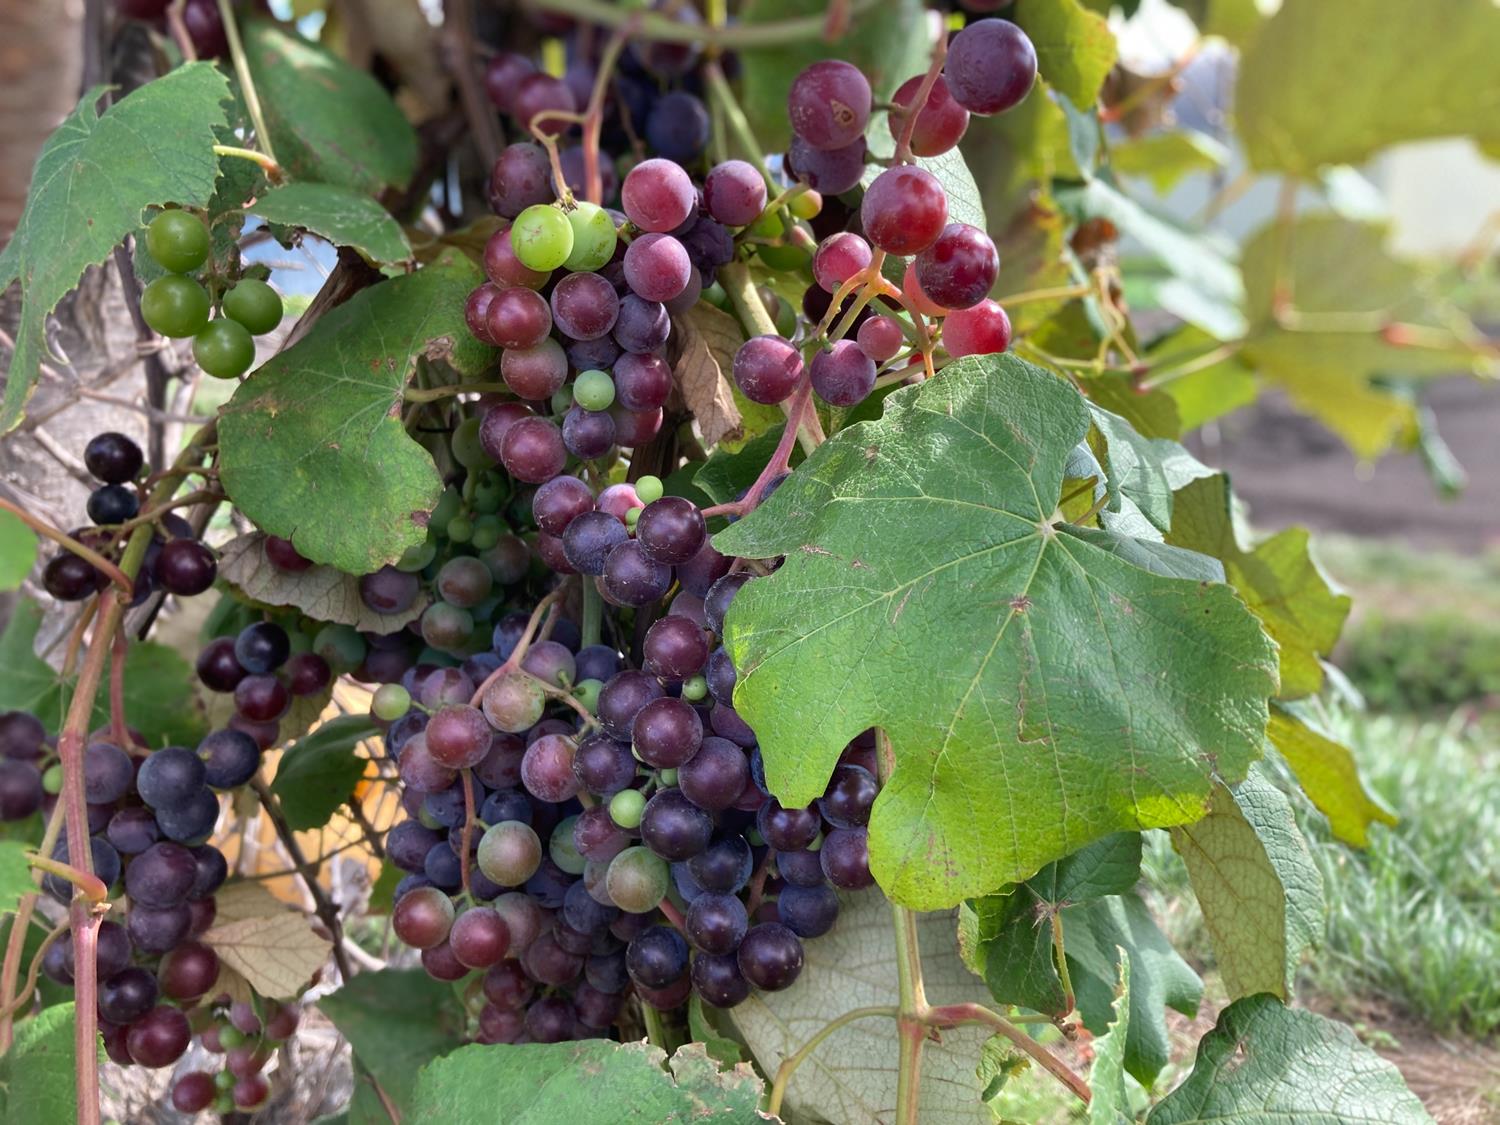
x,y
271,946
708,338
1074,47
1328,775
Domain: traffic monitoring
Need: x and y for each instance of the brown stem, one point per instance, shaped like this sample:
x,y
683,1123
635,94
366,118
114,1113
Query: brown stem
x,y
67,542
522,645
672,914
23,994
593,117
953,1015
780,460
458,24
117,729
918,103
463,855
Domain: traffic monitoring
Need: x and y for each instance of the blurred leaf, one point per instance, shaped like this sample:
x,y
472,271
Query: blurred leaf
x,y
342,216
1335,83
1111,1099
322,592
1327,772
1167,156
1033,256
319,773
1209,391
258,936
1017,153
1074,46
18,546
39,1072
1237,21
15,874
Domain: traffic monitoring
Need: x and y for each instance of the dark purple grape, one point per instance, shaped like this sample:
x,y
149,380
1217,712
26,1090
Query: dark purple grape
x,y
829,104
671,530
558,502
21,791
716,603
588,434
958,270
533,451
845,856
547,769
389,590
721,676
113,457
595,1009
285,557
675,648
700,572
621,701
547,962
502,74
596,837
479,937
186,567
633,579
506,985
678,127
642,382
213,869
843,375
217,667
725,866
850,794
726,723
446,687
991,66
112,504
170,776
585,306
666,733
800,868
262,647
718,980
307,673
715,923
787,830
550,662
192,820
830,171
597,662
604,765
69,578
458,736
131,830
583,914
154,931
521,178
22,736
770,956
230,758
715,776
188,971
127,995
550,1020
674,828
656,957
642,326
808,912
262,699
442,868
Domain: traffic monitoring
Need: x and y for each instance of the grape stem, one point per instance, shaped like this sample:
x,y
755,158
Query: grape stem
x,y
790,1064
88,884
919,102
723,97
272,169
67,542
468,834
23,995
247,82
593,115
672,914
8,997
179,31
593,613
654,27
1061,956
780,460
522,645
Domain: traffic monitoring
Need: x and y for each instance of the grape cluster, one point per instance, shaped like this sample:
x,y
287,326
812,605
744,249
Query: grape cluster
x,y
178,306
200,18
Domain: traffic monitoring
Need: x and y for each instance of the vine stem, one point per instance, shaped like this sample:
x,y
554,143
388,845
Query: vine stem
x,y
89,885
468,833
911,1030
956,1015
1060,953
23,994
68,543
593,613
792,1062
247,83
273,170
737,282
593,114
919,102
780,460
659,28
522,645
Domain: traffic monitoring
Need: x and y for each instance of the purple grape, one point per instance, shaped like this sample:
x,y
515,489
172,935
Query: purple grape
x,y
673,827
808,912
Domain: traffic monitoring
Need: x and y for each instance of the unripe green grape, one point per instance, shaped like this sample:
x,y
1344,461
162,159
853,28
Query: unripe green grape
x,y
562,398
177,241
225,1079
587,693
489,492
231,1037
390,702
632,516
224,349
449,504
175,306
224,1103
807,205
541,237
52,780
649,489
341,646
785,259
561,848
625,808
468,451
255,305
509,853
413,560
594,390
594,238
716,296
637,880
514,702
487,532
460,529
668,778
694,688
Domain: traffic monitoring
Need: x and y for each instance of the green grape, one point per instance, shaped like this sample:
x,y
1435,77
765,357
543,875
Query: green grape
x,y
230,1037
594,390
785,259
562,398
636,879
694,688
416,559
625,808
668,778
177,241
561,848
390,702
649,489
449,504
594,238
175,306
542,237
489,492
817,844
341,646
807,205
255,305
587,693
487,532
224,349
467,449
225,1079
631,516
52,780
460,529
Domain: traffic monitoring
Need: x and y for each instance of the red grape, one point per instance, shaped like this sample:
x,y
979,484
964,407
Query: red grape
x,y
658,195
941,122
991,66
829,104
981,330
904,210
958,269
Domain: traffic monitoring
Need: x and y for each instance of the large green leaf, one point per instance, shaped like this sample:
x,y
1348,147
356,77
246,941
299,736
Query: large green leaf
x,y
1166,156
595,1080
312,447
329,121
17,551
396,1021
1263,1062
1326,771
1326,349
1261,892
1074,47
1279,579
94,177
1064,693
889,45
341,215
318,774
38,1073
851,1076
1333,83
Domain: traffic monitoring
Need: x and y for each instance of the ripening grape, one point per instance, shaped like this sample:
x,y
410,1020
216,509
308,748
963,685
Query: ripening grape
x,y
991,66
904,210
829,104
983,329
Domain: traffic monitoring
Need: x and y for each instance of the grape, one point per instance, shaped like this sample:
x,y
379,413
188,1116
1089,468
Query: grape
x,y
915,299
767,368
479,938
175,306
503,73
585,306
734,193
623,698
593,391
588,434
170,776
534,373
250,1092
441,964
533,450
21,791
205,28
420,770
991,66
850,794
720,596
666,733
541,237
538,94
787,830
127,995
594,238
583,914
671,530
281,554
422,918
842,375
255,305
523,918
113,457
718,980
657,267
547,769
112,504
770,956
642,326
658,196
518,318
477,310
829,104
443,686
108,773
904,210
230,758
675,648
408,843
551,662
589,538
831,171
678,126
673,827
549,549
159,1037
177,241
261,699
188,971
224,349
508,560
192,820
509,853
715,923
656,957
21,735
186,567
507,986
262,647
635,427
130,831
458,737
800,868
603,765
465,581
881,338
642,382
709,245
559,502
69,578
549,962
637,879
505,269
959,268
838,258
941,122
550,1020
630,578
721,676
845,856
981,330
194,1092
714,777
808,912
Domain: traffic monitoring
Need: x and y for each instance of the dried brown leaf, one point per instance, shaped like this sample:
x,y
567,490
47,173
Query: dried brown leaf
x,y
708,339
272,947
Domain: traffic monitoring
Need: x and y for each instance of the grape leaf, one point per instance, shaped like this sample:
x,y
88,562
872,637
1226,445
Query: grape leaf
x,y
851,1076
1261,893
322,592
595,1080
1033,255
1279,579
18,546
15,874
1111,1100
1208,391
1145,470
312,447
720,1048
1167,156
1341,268
1334,83
331,122
39,1072
1326,771
704,342
1110,866
889,47
259,937
343,216
94,177
1074,47
396,1020
318,774
1264,1062
1101,696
